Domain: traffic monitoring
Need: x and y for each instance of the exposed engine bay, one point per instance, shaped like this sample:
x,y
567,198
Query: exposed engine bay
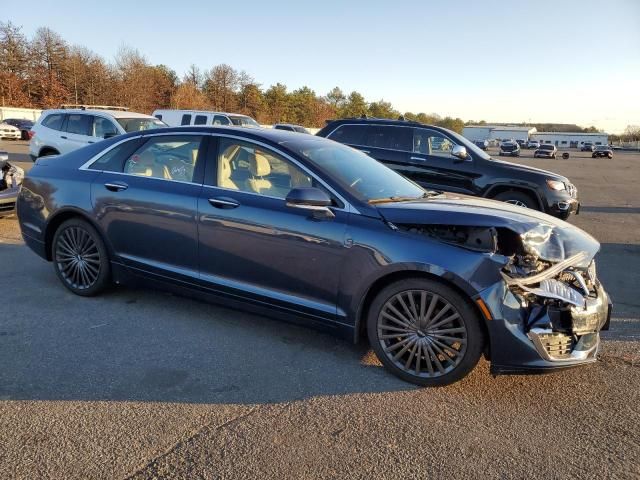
x,y
551,273
10,175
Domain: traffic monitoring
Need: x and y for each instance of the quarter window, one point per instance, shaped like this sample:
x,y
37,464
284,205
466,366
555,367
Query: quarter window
x,y
430,142
53,121
171,157
79,124
200,120
350,134
250,168
113,159
186,119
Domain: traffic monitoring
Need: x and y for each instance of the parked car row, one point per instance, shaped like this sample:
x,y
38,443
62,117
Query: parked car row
x,y
311,231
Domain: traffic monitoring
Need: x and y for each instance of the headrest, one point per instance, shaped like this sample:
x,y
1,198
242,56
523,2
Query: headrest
x,y
225,168
259,165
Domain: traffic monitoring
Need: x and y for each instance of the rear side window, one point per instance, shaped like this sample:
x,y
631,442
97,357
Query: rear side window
x,y
79,124
284,127
186,119
393,138
220,120
54,121
350,134
200,120
112,160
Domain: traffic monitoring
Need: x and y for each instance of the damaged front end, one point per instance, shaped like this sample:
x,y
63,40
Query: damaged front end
x,y
549,308
11,178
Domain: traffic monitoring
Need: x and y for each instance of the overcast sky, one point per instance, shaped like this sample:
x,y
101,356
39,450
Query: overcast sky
x,y
573,61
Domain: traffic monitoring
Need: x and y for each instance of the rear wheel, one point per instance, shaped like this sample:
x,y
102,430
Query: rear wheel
x,y
520,199
425,332
80,258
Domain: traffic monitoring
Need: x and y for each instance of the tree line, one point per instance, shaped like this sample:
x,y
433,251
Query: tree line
x,y
45,71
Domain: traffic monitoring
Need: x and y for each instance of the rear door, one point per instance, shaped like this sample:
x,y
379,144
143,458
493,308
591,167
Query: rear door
x,y
390,145
147,197
432,166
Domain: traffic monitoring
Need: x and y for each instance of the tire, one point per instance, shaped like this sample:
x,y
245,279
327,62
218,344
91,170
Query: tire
x,y
77,241
553,156
418,356
518,198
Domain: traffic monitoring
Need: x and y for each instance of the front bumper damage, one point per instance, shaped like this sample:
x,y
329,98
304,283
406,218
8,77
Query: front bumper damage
x,y
548,320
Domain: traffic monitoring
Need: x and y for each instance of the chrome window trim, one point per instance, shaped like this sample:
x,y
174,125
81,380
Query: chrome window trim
x,y
348,207
415,127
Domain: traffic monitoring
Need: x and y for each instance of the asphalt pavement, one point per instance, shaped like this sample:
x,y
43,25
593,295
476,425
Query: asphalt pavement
x,y
143,384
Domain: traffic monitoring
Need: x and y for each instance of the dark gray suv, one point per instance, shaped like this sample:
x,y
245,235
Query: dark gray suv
x,y
439,159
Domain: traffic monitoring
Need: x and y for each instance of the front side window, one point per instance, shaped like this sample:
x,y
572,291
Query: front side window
x,y
350,134
200,120
361,175
391,138
171,157
103,127
251,168
54,121
221,120
79,124
186,119
140,124
430,142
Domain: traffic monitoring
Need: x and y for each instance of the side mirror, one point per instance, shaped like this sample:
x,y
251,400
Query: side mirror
x,y
460,152
110,135
311,199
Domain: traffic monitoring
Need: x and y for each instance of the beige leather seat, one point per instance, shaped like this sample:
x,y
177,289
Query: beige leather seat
x,y
224,174
146,166
259,167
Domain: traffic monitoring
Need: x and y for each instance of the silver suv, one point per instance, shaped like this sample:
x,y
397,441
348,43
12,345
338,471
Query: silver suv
x,y
63,130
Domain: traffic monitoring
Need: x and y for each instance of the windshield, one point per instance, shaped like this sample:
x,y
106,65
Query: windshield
x,y
546,147
602,147
243,121
361,175
137,124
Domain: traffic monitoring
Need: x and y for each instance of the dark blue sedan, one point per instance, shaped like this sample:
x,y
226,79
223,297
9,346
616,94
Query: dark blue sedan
x,y
311,231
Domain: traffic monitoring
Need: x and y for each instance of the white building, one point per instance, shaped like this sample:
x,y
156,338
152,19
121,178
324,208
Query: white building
x,y
571,139
497,132
20,113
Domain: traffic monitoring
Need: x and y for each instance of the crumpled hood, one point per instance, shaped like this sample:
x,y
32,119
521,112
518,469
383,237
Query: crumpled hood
x,y
547,237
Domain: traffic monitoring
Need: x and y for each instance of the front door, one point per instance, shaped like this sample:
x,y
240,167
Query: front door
x,y
432,165
252,245
146,201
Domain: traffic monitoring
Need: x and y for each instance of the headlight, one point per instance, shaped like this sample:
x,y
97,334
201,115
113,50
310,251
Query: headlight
x,y
18,175
556,185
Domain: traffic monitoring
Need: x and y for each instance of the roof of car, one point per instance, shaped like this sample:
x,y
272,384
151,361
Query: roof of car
x,y
112,113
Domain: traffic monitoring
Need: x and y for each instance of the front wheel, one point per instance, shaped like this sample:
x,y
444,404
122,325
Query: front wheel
x,y
80,258
425,332
517,198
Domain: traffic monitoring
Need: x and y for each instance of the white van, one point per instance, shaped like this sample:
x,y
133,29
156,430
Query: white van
x,y
176,118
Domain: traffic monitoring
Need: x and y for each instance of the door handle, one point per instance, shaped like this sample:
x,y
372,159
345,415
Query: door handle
x,y
89,141
63,137
223,203
116,186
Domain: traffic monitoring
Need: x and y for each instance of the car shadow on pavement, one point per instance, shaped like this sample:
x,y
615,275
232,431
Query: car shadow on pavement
x,y
624,210
143,345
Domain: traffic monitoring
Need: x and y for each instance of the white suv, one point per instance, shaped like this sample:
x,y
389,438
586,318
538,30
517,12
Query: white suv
x,y
61,131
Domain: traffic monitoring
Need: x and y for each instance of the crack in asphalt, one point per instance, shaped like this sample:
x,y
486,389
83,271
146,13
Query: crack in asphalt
x,y
194,436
